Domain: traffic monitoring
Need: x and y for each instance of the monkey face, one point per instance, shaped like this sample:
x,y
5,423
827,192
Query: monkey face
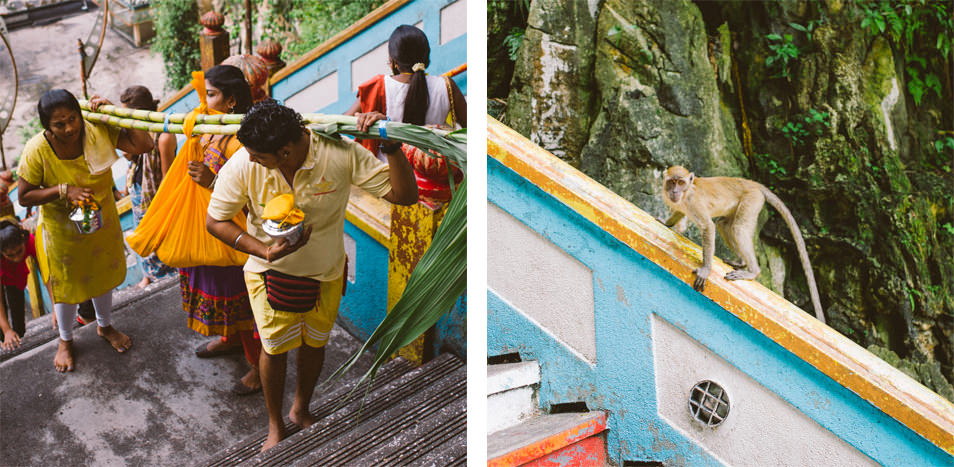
x,y
676,188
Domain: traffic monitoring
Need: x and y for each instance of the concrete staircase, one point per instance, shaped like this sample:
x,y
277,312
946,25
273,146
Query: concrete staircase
x,y
158,404
519,434
410,416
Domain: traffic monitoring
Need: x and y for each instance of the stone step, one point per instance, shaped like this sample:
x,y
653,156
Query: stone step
x,y
575,436
418,417
341,394
511,393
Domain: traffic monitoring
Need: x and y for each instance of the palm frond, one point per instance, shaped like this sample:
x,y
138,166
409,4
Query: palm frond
x,y
439,279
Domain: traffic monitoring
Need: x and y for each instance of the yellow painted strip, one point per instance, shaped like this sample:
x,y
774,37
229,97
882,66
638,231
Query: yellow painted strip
x,y
371,215
325,47
899,396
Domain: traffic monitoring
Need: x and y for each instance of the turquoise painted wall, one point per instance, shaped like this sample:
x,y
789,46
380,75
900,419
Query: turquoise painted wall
x,y
628,288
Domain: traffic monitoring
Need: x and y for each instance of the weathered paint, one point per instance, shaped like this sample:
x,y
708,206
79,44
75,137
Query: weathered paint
x,y
551,444
640,267
590,452
412,229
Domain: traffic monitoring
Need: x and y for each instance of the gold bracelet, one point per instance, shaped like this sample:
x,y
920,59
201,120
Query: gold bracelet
x,y
62,188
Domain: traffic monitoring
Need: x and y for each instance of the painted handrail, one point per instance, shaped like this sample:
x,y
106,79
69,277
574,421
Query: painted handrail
x,y
845,362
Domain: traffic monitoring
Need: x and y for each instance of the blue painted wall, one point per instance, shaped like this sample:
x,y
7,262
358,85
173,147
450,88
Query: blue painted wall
x,y
628,289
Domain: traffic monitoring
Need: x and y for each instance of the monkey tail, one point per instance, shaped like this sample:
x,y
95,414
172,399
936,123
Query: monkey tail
x,y
776,203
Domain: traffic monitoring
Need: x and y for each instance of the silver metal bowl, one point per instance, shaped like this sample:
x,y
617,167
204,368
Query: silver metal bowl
x,y
84,224
291,232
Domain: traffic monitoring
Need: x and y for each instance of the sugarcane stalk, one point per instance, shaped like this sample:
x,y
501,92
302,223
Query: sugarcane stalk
x,y
451,143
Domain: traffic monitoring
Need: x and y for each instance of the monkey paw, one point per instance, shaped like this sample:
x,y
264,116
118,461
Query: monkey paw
x,y
740,275
701,275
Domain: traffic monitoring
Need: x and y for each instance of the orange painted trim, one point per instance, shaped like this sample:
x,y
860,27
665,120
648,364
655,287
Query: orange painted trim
x,y
550,444
879,383
456,71
325,47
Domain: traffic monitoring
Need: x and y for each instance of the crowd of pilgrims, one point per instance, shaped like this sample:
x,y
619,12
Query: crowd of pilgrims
x,y
261,295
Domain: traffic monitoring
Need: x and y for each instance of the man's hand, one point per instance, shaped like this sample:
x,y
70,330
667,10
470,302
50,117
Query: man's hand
x,y
10,340
282,248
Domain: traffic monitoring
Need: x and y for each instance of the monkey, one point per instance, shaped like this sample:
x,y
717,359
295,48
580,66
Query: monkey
x,y
729,206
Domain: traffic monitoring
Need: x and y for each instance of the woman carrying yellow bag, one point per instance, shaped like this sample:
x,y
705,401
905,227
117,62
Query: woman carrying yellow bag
x,y
210,275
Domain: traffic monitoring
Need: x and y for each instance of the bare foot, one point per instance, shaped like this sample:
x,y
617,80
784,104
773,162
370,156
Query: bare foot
x,y
216,345
252,379
118,340
64,356
144,282
275,434
301,417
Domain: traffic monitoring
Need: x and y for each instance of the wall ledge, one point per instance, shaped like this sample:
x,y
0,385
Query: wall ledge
x,y
847,363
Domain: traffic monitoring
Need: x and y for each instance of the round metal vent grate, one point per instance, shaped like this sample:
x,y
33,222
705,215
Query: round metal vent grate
x,y
708,403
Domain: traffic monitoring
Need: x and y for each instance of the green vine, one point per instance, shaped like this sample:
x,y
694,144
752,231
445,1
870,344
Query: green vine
x,y
177,39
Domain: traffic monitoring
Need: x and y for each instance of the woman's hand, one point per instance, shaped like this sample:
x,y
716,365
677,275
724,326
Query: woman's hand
x,y
96,101
10,340
200,173
282,248
78,195
365,120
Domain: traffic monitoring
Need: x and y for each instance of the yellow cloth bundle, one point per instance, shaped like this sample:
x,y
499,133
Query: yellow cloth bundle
x,y
282,210
174,225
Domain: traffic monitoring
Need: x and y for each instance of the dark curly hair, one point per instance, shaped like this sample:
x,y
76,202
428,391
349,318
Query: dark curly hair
x,y
268,126
55,99
231,81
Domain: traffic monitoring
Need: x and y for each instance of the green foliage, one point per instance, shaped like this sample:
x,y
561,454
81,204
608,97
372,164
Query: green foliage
x,y
948,228
766,161
920,28
513,41
942,150
299,25
177,39
917,86
31,129
811,123
785,52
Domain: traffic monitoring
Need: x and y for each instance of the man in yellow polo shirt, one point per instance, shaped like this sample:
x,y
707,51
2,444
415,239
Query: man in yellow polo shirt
x,y
282,156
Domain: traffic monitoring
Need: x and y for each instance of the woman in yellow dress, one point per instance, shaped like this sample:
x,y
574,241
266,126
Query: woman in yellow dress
x,y
67,165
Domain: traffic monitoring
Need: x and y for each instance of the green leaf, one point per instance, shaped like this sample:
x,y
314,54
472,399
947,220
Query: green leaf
x,y
932,81
773,37
916,89
798,27
435,285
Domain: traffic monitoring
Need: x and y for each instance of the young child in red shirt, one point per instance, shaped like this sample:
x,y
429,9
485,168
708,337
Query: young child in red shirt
x,y
16,244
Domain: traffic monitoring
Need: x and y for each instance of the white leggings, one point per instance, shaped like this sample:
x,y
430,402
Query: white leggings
x,y
66,314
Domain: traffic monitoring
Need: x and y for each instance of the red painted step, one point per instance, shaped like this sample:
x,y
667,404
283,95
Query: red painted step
x,y
551,440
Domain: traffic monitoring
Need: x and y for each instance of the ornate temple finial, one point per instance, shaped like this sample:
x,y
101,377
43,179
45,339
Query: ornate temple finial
x,y
213,23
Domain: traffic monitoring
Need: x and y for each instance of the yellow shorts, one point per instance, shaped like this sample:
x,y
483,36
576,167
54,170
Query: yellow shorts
x,y
282,331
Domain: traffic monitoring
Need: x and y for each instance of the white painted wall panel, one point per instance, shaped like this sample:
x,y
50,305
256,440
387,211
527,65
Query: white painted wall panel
x,y
323,92
453,21
541,281
761,429
365,67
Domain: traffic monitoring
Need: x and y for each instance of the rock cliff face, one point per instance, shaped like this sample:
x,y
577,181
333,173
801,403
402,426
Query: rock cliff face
x,y
797,95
